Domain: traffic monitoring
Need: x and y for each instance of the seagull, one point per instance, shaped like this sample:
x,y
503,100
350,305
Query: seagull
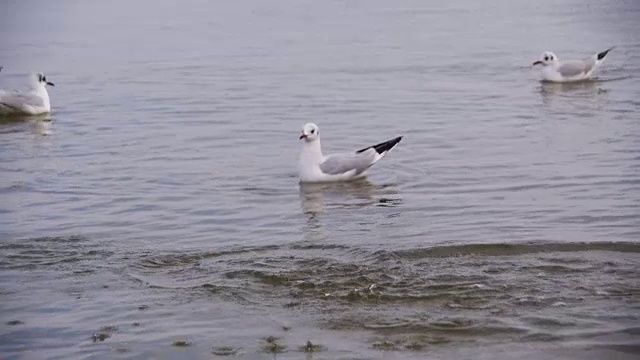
x,y
567,71
315,167
32,102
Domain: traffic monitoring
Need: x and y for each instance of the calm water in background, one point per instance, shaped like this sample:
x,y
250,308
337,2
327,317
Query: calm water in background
x,y
161,201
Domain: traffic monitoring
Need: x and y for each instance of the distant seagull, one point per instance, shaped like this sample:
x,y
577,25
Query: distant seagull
x,y
32,102
315,167
572,70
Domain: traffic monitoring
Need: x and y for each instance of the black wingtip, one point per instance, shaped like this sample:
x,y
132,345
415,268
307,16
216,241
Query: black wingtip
x,y
383,146
604,53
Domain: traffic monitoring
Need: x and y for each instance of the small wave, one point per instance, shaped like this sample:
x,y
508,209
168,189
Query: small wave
x,y
417,297
49,251
501,249
171,260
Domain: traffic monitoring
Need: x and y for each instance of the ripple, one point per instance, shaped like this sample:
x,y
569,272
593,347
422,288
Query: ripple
x,y
42,252
419,293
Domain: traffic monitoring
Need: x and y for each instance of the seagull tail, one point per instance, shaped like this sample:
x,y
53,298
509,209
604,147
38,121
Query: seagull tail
x,y
383,147
601,55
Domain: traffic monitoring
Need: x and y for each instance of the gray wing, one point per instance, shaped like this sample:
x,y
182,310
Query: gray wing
x,y
574,68
340,164
18,100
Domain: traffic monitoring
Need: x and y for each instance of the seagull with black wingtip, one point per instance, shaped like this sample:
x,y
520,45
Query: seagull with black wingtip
x,y
313,166
571,70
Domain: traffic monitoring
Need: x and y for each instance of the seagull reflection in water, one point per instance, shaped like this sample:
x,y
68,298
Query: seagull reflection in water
x,y
319,198
586,91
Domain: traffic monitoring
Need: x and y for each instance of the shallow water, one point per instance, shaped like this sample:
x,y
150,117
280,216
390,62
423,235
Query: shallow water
x,y
160,202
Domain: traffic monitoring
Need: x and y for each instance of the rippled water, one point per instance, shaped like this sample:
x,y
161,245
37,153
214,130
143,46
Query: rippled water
x,y
159,202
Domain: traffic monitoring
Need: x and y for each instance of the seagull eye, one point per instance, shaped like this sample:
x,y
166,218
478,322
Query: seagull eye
x,y
546,58
313,131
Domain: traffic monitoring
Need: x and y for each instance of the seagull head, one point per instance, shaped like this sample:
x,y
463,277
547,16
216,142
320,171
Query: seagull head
x,y
42,79
547,58
310,132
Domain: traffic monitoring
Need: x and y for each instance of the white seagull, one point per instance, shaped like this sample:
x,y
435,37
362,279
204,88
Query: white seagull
x,y
567,71
315,167
32,102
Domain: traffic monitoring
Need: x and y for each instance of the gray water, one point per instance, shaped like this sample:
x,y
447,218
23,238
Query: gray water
x,y
159,202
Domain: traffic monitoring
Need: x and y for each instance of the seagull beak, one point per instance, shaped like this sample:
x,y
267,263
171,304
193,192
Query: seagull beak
x,y
50,83
303,136
537,62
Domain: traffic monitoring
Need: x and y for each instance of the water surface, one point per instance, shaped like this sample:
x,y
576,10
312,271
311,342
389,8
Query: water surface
x,y
160,202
